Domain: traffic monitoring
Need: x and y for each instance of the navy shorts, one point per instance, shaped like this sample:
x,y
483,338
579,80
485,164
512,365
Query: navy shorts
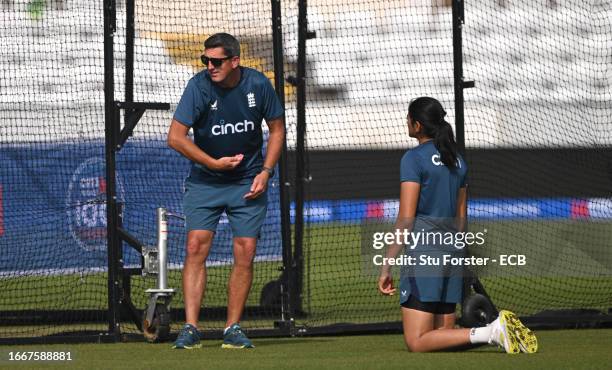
x,y
437,308
432,282
204,203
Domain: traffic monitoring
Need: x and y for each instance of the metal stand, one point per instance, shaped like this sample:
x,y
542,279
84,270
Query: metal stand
x,y
156,316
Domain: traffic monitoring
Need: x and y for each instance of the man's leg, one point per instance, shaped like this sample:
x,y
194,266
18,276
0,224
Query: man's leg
x,y
194,273
246,217
241,278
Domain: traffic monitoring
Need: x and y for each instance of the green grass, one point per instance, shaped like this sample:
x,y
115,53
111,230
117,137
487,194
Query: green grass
x,y
566,349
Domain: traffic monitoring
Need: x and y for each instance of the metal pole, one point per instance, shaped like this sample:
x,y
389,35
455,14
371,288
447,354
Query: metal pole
x,y
111,127
285,186
162,248
470,279
300,170
130,34
458,18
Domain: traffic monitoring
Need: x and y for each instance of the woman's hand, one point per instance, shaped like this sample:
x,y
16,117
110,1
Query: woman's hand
x,y
385,284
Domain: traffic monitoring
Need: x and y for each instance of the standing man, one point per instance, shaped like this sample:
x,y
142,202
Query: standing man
x,y
224,105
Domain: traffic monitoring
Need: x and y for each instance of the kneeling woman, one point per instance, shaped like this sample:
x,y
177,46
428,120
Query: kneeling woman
x,y
433,191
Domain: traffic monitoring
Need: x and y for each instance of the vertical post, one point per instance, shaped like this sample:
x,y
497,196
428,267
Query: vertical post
x,y
129,51
470,280
458,19
285,199
300,171
162,248
111,115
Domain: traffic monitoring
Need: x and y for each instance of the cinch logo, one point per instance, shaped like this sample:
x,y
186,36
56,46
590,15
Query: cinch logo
x,y
435,159
230,128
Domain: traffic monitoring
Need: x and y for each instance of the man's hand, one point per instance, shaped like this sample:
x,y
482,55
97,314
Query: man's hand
x,y
385,284
227,163
260,184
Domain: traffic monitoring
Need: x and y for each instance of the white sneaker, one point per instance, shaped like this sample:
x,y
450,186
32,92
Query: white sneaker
x,y
502,335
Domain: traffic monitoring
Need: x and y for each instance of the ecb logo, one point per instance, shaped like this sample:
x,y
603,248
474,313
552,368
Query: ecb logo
x,y
86,205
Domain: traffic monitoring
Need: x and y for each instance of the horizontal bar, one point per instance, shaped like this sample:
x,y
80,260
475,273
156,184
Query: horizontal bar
x,y
141,105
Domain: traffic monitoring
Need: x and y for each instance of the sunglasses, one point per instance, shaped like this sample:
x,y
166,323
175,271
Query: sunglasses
x,y
216,62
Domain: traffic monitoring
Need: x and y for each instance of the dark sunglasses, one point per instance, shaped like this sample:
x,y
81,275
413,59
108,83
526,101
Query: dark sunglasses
x,y
216,62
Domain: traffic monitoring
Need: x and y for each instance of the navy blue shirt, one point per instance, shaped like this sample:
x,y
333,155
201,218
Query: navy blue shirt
x,y
439,184
227,122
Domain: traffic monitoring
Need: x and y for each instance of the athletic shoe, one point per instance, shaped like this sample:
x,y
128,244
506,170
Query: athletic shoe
x,y
528,342
235,338
502,333
188,338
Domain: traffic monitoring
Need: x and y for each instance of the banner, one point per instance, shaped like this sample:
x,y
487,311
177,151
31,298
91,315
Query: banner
x,y
53,206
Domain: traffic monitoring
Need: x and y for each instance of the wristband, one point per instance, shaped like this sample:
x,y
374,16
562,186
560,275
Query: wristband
x,y
270,171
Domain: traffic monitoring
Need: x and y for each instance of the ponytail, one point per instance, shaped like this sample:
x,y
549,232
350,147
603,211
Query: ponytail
x,y
444,141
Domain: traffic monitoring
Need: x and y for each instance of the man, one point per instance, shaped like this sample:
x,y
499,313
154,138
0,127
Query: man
x,y
224,105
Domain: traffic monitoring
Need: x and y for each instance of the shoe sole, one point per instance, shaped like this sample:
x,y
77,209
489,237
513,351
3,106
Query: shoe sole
x,y
195,346
233,346
507,334
527,340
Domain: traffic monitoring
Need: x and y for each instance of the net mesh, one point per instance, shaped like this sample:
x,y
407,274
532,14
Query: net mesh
x,y
543,87
536,124
51,122
169,42
536,120
368,61
53,224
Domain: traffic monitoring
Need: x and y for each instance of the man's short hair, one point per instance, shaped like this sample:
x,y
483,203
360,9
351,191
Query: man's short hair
x,y
230,45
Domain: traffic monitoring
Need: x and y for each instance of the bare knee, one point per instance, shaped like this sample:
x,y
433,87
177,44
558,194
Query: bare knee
x,y
195,249
198,247
244,252
414,345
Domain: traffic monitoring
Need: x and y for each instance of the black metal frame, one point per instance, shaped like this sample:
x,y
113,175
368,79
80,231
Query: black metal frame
x,y
119,285
119,302
119,278
471,282
288,277
300,156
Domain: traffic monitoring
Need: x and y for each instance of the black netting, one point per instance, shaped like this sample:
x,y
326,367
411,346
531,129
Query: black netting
x,y
51,176
543,96
169,41
368,61
53,224
537,135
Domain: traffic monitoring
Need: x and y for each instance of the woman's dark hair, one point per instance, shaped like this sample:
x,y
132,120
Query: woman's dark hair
x,y
230,45
429,112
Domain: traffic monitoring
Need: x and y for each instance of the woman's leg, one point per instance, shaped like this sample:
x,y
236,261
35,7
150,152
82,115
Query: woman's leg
x,y
445,321
422,334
